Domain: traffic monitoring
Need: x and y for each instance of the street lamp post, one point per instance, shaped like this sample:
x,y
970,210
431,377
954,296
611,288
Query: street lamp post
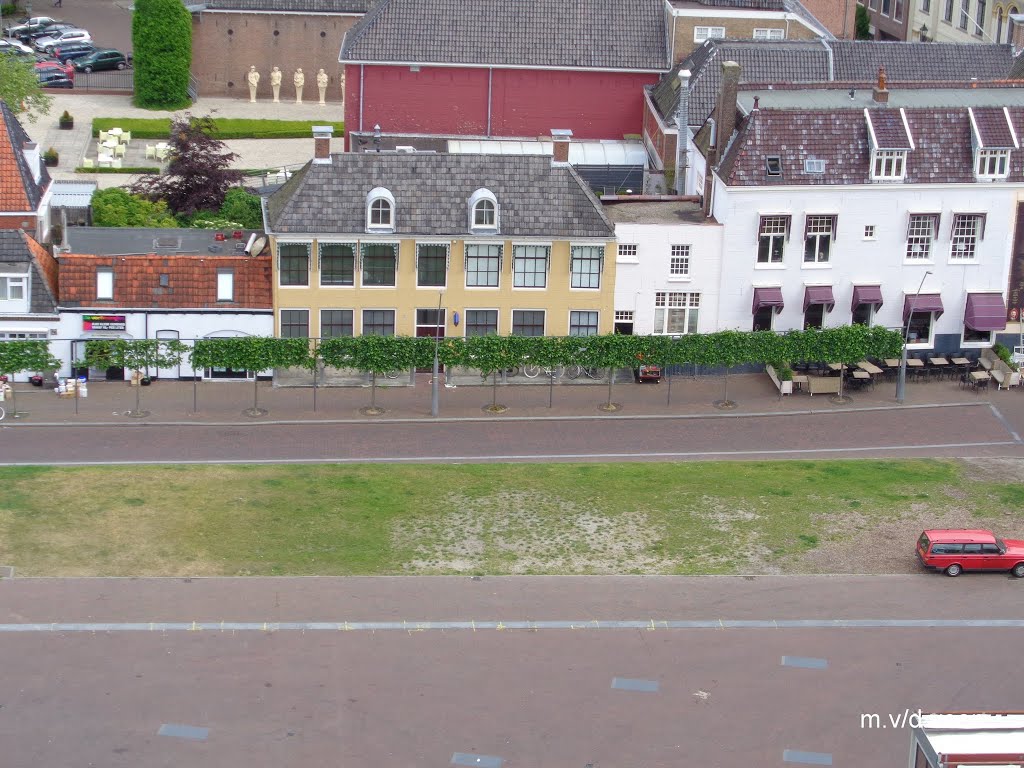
x,y
901,380
434,405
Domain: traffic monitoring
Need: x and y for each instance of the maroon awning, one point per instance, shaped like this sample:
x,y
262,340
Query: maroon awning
x,y
768,297
922,302
866,294
985,312
819,294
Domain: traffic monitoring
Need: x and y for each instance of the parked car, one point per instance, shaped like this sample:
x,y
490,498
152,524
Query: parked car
x,y
56,66
14,46
25,26
47,44
72,51
953,551
104,58
33,35
55,80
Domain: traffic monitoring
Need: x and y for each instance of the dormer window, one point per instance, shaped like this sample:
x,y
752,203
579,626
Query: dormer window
x,y
888,165
483,211
891,143
992,163
380,211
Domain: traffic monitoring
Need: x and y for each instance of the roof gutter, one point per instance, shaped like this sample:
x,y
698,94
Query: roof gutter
x,y
636,71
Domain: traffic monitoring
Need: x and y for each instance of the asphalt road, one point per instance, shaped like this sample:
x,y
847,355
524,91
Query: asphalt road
x,y
961,430
547,697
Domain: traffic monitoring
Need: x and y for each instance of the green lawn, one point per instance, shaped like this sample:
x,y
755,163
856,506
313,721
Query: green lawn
x,y
518,518
227,127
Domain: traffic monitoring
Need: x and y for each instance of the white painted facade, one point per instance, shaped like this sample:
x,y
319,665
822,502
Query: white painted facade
x,y
639,278
167,324
865,257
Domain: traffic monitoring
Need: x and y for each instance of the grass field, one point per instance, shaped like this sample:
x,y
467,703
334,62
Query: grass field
x,y
495,519
227,127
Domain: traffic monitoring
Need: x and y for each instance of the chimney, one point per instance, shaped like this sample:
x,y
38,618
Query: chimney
x,y
322,144
561,137
880,92
682,117
31,152
724,124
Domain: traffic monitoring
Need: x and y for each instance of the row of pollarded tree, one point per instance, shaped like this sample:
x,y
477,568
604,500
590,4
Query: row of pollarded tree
x,y
488,354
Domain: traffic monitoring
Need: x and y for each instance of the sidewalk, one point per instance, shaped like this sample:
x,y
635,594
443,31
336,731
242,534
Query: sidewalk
x,y
217,402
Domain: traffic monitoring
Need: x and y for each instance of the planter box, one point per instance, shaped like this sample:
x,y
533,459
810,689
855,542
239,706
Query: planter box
x,y
50,162
785,387
67,125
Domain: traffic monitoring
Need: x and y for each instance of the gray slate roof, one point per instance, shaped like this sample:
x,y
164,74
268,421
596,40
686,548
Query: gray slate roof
x,y
764,62
589,34
15,255
431,191
287,6
942,137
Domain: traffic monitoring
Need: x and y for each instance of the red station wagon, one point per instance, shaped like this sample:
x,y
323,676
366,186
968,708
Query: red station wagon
x,y
958,550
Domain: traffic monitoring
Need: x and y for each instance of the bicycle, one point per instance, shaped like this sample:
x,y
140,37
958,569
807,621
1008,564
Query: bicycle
x,y
2,413
391,374
575,371
508,373
533,371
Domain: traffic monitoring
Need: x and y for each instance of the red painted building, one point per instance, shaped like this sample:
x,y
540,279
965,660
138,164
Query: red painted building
x,y
504,70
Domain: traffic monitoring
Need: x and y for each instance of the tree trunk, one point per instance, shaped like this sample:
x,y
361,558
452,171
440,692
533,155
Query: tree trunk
x,y
494,389
255,392
611,380
373,390
138,394
725,398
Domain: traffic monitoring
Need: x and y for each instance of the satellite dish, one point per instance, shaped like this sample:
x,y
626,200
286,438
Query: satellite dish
x,y
258,245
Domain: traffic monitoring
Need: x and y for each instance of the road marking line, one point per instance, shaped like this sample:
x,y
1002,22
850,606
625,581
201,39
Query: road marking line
x,y
504,625
804,662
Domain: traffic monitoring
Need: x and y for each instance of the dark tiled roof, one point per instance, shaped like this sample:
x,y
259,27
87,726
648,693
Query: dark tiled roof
x,y
18,191
993,128
288,6
858,61
191,281
16,248
589,34
888,129
431,191
793,61
942,137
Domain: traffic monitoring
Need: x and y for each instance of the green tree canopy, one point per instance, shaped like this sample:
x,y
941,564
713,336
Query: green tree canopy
x,y
20,89
115,207
162,44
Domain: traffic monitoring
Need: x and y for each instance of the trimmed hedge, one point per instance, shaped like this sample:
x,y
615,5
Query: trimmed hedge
x,y
162,42
141,169
227,128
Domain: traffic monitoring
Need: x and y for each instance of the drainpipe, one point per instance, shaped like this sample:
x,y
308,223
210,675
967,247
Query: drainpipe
x,y
490,92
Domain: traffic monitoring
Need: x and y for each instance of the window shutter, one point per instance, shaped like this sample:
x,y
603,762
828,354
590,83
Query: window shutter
x,y
982,217
936,217
760,229
789,222
834,224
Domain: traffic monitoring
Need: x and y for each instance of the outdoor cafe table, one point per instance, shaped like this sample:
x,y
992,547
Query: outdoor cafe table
x,y
913,362
980,376
938,361
960,361
892,362
115,131
864,365
104,158
836,366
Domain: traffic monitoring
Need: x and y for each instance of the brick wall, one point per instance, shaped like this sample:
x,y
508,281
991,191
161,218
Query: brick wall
x,y
17,221
741,28
225,45
836,15
663,145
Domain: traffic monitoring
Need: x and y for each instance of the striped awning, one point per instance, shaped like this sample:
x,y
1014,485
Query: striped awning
x,y
985,312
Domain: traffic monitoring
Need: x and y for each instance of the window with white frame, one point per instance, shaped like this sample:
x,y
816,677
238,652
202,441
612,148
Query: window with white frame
x,y
380,210
483,265
336,322
628,254
585,263
769,34
700,34
583,323
869,231
104,283
992,164
22,335
294,323
481,322
968,230
530,266
888,164
771,239
12,287
431,265
922,230
483,211
225,285
624,315
293,263
947,13
676,313
819,232
380,264
679,261
378,322
337,264
527,322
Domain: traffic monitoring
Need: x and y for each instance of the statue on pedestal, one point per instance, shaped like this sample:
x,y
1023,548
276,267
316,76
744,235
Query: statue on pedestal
x,y
254,79
299,80
321,83
275,83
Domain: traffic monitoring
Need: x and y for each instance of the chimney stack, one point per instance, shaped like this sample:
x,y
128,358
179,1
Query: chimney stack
x,y
322,144
561,137
881,93
682,118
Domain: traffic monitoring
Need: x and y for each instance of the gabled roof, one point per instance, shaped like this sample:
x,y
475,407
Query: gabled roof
x,y
886,129
286,6
562,34
992,128
825,61
18,189
942,154
535,197
20,252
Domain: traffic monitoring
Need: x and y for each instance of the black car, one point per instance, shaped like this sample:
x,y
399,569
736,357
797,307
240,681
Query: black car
x,y
105,58
55,80
35,34
73,51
